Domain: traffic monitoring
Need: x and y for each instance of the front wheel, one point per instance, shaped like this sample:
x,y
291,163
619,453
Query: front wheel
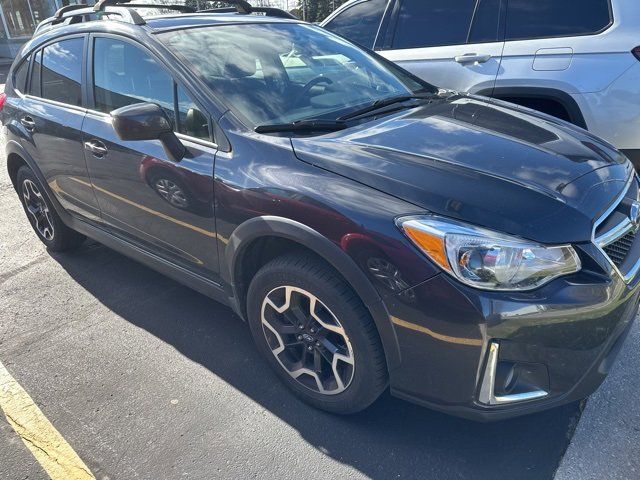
x,y
316,334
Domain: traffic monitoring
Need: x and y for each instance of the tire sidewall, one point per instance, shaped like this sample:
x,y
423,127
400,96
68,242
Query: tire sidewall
x,y
24,173
362,382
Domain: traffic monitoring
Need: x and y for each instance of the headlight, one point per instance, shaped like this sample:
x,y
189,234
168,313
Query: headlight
x,y
485,259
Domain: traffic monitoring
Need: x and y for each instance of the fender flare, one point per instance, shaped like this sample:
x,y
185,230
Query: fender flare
x,y
270,226
563,98
14,148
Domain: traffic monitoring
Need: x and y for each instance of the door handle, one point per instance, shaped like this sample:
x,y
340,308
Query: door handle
x,y
96,147
28,123
474,58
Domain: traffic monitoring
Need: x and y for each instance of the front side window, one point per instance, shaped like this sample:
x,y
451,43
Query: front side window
x,y
359,23
62,71
555,18
431,23
277,73
124,74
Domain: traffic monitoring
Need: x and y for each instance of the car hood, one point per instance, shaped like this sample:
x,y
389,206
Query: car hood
x,y
482,161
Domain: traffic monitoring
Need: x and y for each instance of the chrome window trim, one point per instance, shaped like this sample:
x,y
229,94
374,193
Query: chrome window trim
x,y
601,241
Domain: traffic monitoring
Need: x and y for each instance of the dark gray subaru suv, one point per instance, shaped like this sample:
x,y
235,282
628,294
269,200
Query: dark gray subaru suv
x,y
374,231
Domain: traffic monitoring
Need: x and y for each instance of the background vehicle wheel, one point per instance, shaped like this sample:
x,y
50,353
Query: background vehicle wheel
x,y
316,334
42,216
172,190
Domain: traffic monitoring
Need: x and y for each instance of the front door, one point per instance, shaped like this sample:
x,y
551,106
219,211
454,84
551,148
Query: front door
x,y
144,196
452,44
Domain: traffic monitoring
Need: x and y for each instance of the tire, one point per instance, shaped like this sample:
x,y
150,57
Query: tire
x,y
42,215
282,291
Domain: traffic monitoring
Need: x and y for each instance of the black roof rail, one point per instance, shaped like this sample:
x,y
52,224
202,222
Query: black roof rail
x,y
268,11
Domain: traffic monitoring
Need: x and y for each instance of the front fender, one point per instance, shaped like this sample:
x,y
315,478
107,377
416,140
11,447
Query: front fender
x,y
297,232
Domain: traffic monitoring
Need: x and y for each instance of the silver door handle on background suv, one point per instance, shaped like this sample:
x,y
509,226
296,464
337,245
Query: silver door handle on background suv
x,y
472,58
96,147
28,123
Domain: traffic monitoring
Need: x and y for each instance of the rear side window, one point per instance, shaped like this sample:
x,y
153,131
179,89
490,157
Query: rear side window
x,y
359,23
556,18
431,23
486,22
20,75
62,71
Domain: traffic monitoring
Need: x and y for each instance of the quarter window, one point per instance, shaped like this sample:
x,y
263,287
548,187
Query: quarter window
x,y
556,18
35,85
62,71
359,23
20,75
430,23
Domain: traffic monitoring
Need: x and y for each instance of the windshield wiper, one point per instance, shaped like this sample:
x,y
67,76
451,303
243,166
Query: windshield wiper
x,y
385,102
303,126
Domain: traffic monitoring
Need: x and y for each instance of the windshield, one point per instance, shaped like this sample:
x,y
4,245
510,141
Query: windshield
x,y
271,73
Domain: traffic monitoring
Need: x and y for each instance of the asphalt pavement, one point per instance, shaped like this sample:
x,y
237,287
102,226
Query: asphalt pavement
x,y
145,378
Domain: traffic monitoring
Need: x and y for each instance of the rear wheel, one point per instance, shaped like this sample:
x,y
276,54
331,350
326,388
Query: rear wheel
x,y
42,216
316,334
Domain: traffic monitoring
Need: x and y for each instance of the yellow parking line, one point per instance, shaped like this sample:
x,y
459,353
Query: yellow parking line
x,y
53,453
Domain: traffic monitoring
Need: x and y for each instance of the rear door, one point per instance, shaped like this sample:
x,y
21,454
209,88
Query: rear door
x,y
455,44
552,44
145,197
51,123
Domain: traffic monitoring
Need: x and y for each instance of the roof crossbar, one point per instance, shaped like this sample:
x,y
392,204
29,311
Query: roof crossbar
x,y
61,11
269,11
102,4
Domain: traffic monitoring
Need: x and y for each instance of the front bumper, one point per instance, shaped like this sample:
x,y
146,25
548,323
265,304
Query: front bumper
x,y
568,332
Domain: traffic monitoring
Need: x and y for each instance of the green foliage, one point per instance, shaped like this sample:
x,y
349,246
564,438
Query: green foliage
x,y
318,10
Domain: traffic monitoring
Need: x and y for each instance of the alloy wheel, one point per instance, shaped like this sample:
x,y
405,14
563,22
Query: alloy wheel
x,y
37,208
307,340
172,193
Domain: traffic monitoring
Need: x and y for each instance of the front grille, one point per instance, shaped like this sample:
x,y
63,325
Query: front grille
x,y
619,249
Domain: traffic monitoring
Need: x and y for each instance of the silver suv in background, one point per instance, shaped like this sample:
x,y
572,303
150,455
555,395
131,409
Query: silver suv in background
x,y
578,60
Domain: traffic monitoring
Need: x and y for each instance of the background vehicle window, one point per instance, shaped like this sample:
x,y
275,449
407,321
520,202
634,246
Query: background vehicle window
x,y
486,22
123,74
20,75
431,23
34,86
555,18
191,121
359,23
62,71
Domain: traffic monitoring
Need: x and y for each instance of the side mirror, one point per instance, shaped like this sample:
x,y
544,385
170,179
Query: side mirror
x,y
147,121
